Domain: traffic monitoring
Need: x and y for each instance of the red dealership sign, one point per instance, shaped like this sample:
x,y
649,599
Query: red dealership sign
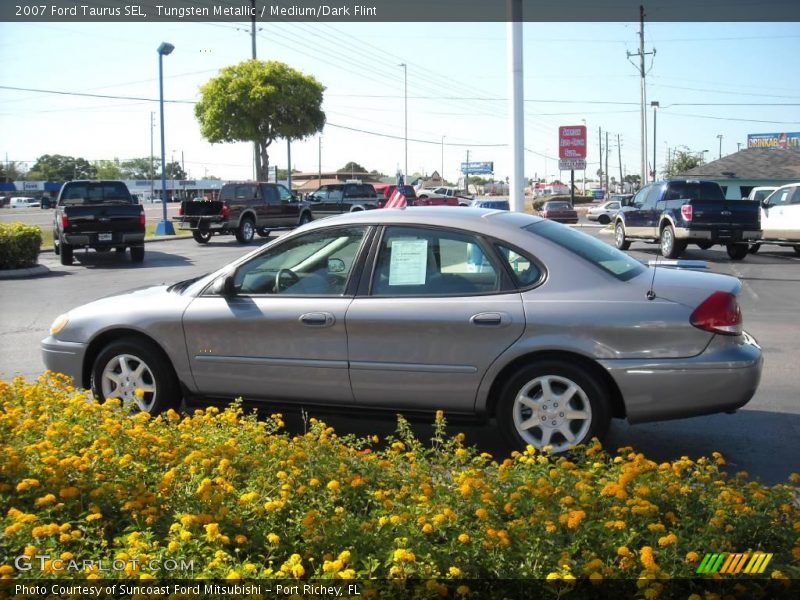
x,y
572,141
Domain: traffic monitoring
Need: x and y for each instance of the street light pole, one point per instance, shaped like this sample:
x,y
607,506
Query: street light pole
x,y
164,227
655,105
442,173
719,137
405,110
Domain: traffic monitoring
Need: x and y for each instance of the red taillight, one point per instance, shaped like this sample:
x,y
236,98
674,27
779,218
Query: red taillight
x,y
719,313
141,219
180,210
686,212
226,211
64,221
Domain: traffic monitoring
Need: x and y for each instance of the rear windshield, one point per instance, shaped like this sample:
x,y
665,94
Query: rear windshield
x,y
693,190
95,192
600,254
557,206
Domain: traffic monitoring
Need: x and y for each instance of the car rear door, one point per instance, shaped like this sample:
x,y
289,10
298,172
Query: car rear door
x,y
430,320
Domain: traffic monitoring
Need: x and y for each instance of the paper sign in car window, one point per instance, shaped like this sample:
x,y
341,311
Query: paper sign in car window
x,y
409,262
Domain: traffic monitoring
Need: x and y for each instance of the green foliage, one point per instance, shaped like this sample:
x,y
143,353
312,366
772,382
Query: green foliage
x,y
57,167
140,168
352,167
108,169
257,101
683,160
19,245
11,171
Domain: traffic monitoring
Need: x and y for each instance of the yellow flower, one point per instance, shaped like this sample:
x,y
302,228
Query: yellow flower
x,y
273,538
646,556
481,513
333,485
454,572
667,540
553,576
463,538
623,551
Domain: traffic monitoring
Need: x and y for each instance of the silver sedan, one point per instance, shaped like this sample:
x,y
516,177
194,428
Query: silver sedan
x,y
605,212
477,312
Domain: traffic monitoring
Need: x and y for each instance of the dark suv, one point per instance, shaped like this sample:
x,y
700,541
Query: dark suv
x,y
340,198
243,209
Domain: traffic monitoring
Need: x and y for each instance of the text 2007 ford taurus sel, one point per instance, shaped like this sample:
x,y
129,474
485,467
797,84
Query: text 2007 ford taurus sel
x,y
476,312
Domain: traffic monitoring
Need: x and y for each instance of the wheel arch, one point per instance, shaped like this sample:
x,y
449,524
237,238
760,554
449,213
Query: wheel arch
x,y
247,214
96,346
665,220
617,407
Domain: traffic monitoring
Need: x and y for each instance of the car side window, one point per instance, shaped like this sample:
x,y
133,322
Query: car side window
x,y
227,193
638,199
780,197
245,192
525,271
316,264
795,197
285,195
270,194
429,262
335,194
653,194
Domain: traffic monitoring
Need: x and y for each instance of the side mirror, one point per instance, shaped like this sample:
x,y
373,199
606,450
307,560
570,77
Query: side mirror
x,y
764,204
224,286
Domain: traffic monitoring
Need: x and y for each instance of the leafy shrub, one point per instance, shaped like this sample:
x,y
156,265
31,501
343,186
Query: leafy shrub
x,y
19,245
241,498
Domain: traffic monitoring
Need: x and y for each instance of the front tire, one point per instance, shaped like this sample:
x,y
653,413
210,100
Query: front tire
x,y
304,218
201,237
245,231
737,251
754,248
66,254
552,403
263,232
704,245
131,364
619,237
56,245
796,250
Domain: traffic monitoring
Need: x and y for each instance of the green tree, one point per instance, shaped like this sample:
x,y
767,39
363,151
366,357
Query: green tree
x,y
352,167
174,171
683,160
11,171
56,167
108,169
139,168
259,102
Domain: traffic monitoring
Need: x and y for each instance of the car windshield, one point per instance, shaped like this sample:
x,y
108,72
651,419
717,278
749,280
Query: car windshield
x,y
99,192
600,254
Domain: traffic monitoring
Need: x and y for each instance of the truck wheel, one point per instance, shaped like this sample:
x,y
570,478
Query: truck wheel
x,y
128,365
737,251
304,218
754,248
704,245
670,247
66,254
263,232
552,403
56,246
619,237
246,231
797,250
201,237
137,254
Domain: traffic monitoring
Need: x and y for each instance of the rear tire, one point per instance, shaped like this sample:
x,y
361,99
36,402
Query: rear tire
x,y
66,254
737,251
552,402
137,254
603,220
670,247
619,237
56,246
129,364
263,232
704,245
304,218
120,249
201,237
245,231
754,248
797,250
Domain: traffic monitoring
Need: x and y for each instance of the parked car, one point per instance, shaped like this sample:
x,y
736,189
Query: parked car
x,y
97,214
338,198
604,212
381,310
453,196
494,204
243,209
23,202
760,193
623,199
559,210
679,212
780,218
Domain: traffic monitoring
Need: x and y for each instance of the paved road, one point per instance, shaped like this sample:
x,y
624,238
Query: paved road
x,y
762,438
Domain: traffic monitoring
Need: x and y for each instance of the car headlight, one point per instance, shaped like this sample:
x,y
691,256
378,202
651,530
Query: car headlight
x,y
59,324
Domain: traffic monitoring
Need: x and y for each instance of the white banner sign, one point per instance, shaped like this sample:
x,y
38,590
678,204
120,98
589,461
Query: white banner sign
x,y
571,164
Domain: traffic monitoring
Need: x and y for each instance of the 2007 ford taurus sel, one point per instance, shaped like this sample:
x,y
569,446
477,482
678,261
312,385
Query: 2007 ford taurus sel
x,y
477,312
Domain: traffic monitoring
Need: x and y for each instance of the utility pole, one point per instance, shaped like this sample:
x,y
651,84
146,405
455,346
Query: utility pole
x,y
319,174
516,123
600,143
256,157
608,190
619,156
641,54
466,175
719,137
655,105
405,112
152,174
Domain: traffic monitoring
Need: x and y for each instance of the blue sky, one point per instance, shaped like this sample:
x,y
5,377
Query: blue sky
x,y
710,79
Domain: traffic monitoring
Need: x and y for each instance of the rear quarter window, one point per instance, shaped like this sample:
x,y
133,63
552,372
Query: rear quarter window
x,y
91,192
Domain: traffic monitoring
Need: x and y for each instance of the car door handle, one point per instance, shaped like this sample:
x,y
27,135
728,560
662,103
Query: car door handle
x,y
488,319
317,319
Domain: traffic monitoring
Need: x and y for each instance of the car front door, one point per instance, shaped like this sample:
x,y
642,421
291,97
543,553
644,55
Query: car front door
x,y
774,222
439,310
274,329
288,206
634,217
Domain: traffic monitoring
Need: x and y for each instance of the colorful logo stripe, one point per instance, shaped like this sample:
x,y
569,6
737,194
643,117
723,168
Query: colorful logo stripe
x,y
734,563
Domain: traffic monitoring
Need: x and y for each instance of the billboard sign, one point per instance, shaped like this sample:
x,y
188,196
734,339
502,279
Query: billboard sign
x,y
572,142
477,168
572,164
774,140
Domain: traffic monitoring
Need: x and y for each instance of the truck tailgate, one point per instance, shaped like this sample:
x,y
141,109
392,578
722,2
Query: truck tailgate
x,y
736,214
108,218
202,208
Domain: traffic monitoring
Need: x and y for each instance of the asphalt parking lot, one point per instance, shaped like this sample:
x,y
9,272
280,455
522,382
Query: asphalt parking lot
x,y
759,438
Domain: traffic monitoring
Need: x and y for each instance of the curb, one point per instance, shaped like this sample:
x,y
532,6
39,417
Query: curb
x,y
146,241
22,273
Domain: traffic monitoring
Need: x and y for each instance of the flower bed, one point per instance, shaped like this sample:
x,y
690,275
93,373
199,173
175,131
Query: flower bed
x,y
240,498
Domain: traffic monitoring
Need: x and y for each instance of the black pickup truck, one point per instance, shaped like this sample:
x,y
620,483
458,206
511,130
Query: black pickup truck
x,y
100,215
243,209
338,198
677,213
